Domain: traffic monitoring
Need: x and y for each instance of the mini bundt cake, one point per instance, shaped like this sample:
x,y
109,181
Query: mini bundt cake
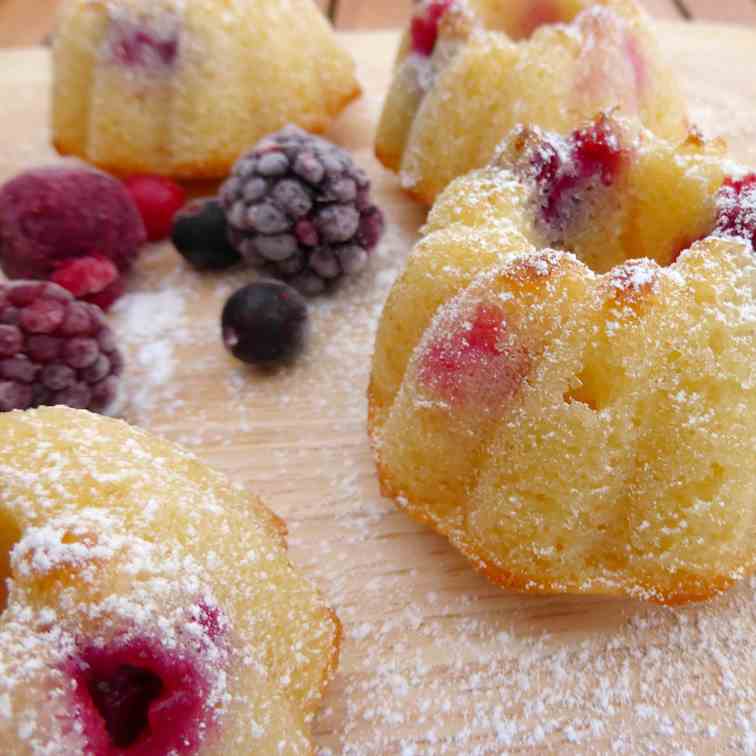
x,y
147,606
183,87
470,70
564,379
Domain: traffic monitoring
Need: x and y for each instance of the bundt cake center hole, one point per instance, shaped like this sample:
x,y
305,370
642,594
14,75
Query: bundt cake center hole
x,y
9,536
581,397
541,13
587,391
123,700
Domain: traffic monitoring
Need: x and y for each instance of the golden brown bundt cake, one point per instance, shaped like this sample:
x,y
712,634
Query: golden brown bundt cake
x,y
150,606
564,379
470,70
183,87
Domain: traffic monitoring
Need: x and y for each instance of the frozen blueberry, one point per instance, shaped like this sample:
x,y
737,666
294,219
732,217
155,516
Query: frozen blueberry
x,y
265,323
200,234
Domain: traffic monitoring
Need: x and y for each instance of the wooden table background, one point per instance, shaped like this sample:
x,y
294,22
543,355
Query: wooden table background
x,y
435,660
28,22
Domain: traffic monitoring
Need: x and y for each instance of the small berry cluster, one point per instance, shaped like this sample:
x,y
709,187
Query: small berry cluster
x,y
296,206
64,233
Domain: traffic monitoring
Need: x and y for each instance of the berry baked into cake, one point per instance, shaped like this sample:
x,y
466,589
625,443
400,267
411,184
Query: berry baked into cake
x,y
470,70
182,87
564,379
147,606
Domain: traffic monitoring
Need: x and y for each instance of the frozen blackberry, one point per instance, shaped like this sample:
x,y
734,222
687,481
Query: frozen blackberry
x,y
265,323
299,206
200,234
54,350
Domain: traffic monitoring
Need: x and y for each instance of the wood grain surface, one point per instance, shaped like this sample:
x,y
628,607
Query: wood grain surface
x,y
435,659
27,22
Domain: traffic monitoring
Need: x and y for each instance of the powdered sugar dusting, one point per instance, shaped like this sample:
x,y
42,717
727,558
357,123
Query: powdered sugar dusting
x,y
154,325
435,659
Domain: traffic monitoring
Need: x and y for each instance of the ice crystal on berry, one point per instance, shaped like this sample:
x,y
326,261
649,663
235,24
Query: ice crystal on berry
x,y
299,206
736,203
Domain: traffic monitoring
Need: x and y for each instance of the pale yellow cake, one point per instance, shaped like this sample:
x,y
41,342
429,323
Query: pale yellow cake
x,y
183,87
150,606
564,378
468,71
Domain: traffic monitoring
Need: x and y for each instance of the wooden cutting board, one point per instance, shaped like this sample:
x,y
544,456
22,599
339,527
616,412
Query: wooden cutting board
x,y
435,659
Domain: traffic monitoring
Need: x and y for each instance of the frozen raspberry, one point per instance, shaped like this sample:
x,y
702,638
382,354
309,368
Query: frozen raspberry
x,y
265,323
300,206
158,200
424,27
93,279
200,234
50,216
138,698
54,350
736,203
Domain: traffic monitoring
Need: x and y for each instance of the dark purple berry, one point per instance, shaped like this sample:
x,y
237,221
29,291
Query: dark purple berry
x,y
200,234
14,395
299,206
11,340
56,351
265,323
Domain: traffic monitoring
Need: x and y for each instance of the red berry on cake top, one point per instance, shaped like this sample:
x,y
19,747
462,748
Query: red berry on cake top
x,y
564,168
133,45
477,358
424,28
139,697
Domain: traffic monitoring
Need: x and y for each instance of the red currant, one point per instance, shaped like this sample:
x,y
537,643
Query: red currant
x,y
158,200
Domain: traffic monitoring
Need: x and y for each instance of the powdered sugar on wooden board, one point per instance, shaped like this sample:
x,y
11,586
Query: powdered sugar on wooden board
x,y
435,659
